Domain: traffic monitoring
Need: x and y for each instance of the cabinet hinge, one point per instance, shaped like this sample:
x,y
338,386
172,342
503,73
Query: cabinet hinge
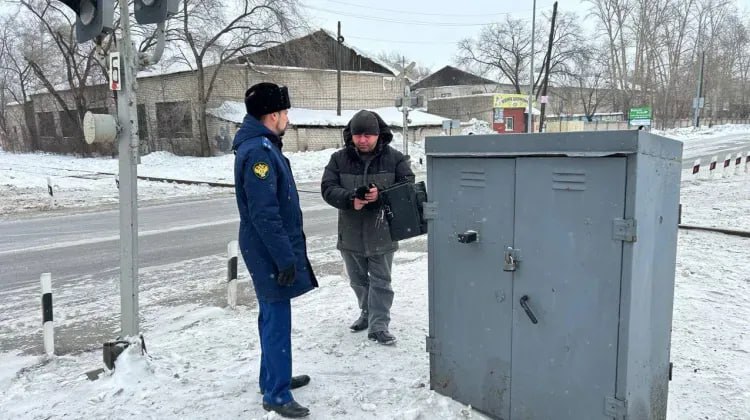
x,y
624,230
616,408
432,345
429,210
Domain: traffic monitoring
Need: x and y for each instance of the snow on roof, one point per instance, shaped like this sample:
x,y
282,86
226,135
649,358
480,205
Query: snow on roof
x,y
235,112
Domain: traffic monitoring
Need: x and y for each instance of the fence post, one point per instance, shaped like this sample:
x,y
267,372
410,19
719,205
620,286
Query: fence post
x,y
50,192
47,321
727,170
696,166
232,251
738,164
712,166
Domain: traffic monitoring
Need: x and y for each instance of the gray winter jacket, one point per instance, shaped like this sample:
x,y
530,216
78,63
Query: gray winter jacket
x,y
365,231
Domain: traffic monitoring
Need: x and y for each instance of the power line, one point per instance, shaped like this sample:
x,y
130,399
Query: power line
x,y
402,42
407,22
419,12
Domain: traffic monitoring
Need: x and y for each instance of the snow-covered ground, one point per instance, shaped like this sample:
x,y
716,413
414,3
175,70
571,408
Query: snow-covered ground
x,y
204,357
708,140
90,182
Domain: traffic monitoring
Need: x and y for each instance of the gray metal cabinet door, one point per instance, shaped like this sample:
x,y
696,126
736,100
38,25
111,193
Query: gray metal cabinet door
x,y
470,306
564,365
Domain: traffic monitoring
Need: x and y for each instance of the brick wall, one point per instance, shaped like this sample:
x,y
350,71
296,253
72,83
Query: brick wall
x,y
463,108
303,139
309,88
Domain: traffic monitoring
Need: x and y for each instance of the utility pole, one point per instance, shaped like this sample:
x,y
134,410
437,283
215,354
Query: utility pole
x,y
405,106
699,100
546,66
128,148
340,40
530,118
405,101
90,25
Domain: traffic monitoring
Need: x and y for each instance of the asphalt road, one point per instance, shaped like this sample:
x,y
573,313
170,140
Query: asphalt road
x,y
76,245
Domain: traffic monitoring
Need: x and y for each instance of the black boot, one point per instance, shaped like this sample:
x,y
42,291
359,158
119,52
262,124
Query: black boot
x,y
361,323
297,382
382,337
291,410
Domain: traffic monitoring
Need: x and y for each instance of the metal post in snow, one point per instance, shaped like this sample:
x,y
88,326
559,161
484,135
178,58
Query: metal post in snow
x,y
232,253
48,331
50,192
747,160
696,166
712,166
128,148
738,163
727,171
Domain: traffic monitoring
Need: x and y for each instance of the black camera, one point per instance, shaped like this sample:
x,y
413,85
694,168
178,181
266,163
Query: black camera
x,y
361,191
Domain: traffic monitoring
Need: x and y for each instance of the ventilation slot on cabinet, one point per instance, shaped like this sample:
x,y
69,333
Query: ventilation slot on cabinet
x,y
569,181
474,178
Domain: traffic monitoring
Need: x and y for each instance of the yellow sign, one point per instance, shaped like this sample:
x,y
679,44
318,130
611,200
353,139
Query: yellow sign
x,y
260,170
511,100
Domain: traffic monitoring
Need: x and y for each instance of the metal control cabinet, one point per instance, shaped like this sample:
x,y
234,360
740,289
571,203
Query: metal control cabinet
x,y
551,272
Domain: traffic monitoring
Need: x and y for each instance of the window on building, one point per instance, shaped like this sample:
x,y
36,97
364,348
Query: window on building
x,y
174,120
68,124
508,123
445,95
142,122
46,121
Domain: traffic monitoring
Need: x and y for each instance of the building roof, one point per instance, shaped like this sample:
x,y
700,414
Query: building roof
x,y
451,76
316,50
235,112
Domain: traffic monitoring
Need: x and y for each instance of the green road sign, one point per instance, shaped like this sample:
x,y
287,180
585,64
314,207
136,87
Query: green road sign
x,y
640,113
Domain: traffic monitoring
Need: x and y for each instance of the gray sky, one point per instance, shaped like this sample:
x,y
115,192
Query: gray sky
x,y
423,30
427,30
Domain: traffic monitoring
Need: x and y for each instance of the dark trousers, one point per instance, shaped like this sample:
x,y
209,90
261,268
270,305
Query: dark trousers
x,y
275,328
370,278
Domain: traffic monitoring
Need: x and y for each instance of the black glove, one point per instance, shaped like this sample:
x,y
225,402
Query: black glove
x,y
361,191
286,276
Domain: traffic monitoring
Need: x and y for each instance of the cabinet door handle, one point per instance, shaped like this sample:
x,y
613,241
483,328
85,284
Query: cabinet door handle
x,y
525,306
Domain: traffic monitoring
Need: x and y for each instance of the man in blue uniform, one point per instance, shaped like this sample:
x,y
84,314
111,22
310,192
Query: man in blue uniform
x,y
271,239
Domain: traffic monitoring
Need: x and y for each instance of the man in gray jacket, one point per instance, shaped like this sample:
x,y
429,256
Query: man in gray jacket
x,y
351,182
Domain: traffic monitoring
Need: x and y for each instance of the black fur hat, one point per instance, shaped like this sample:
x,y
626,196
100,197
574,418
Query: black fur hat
x,y
266,98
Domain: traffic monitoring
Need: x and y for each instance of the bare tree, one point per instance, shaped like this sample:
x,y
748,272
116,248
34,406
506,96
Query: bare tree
x,y
613,16
588,82
504,50
18,80
213,35
59,63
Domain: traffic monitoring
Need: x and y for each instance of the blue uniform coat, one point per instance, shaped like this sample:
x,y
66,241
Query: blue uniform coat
x,y
270,236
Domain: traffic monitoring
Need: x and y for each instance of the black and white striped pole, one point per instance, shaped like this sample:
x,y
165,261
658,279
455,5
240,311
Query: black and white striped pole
x,y
232,253
712,166
50,192
727,170
47,322
738,163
